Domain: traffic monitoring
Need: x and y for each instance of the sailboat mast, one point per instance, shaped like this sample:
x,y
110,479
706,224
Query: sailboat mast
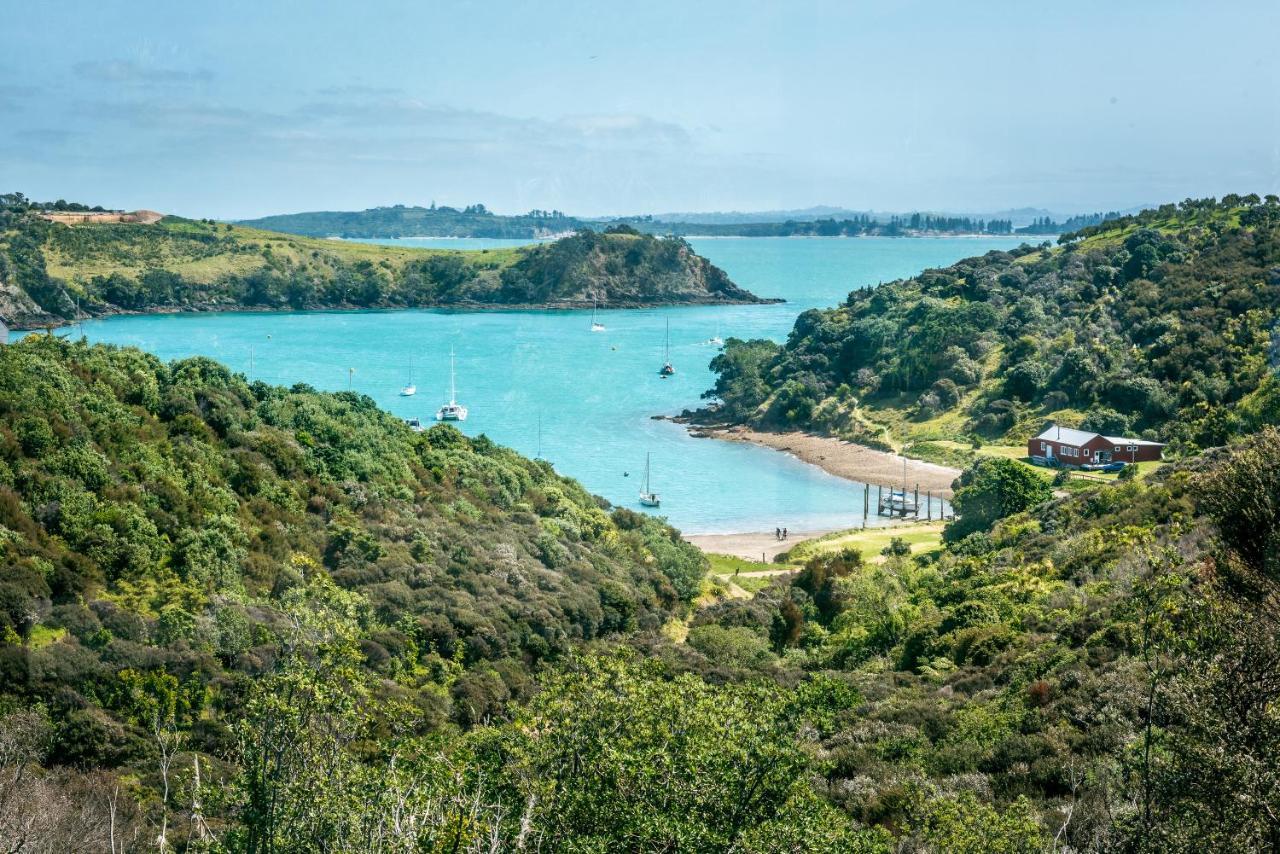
x,y
453,388
666,348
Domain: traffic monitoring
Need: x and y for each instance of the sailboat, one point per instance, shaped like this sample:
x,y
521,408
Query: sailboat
x,y
452,411
667,368
595,326
647,497
410,389
899,502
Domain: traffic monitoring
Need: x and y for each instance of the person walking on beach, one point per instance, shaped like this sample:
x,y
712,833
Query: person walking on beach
x,y
777,533
784,533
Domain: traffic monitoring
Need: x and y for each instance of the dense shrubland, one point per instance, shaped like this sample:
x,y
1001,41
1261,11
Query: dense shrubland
x,y
180,264
155,520
1161,324
1097,669
238,617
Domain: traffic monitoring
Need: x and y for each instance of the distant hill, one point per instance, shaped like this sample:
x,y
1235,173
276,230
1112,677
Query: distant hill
x,y
1160,324
818,221
860,225
50,271
402,221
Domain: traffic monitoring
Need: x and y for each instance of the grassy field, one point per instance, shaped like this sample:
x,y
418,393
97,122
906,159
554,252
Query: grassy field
x,y
749,575
204,252
872,541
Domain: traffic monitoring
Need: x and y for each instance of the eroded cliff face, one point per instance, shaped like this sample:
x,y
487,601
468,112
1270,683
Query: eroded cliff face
x,y
18,310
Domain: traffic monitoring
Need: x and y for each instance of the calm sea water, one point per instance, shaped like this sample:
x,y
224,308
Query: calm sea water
x,y
594,393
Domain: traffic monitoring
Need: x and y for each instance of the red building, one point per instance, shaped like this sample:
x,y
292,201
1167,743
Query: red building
x,y
1070,447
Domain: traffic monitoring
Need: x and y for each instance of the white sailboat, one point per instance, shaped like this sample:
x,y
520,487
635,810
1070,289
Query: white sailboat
x,y
899,503
452,411
410,389
648,497
595,326
667,368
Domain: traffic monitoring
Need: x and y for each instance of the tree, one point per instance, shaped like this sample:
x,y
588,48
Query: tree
x,y
991,489
1242,495
615,754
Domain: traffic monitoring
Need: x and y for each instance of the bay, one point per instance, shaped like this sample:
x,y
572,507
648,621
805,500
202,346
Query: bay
x,y
592,393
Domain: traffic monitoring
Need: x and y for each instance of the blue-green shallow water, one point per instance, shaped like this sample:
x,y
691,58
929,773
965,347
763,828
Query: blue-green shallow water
x,y
595,393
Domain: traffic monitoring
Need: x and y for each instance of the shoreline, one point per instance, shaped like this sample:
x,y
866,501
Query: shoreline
x,y
753,545
842,458
27,325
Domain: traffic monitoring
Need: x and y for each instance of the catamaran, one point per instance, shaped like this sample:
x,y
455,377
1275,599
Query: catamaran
x,y
647,497
595,326
452,411
667,368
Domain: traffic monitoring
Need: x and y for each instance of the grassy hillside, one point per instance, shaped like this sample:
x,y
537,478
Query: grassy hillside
x,y
48,269
1161,325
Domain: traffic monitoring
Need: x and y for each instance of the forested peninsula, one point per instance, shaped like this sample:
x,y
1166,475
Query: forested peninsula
x,y
52,272
1160,325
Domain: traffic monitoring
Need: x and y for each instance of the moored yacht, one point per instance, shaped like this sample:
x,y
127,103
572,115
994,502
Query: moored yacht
x,y
452,411
648,497
667,368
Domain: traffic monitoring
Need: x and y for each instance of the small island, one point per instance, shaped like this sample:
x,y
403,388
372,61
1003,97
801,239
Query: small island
x,y
63,261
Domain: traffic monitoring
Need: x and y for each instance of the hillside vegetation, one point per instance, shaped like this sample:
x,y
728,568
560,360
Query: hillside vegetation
x,y
243,618
1161,324
49,271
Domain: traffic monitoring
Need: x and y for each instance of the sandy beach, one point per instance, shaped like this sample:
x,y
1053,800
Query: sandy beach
x,y
756,546
835,456
848,459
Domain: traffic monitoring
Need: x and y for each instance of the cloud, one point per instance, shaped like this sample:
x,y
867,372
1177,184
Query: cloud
x,y
130,72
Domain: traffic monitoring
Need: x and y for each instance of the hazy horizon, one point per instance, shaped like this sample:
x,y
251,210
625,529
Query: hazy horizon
x,y
238,109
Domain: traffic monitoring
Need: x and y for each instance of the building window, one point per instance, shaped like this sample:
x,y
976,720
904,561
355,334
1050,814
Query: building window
x,y
1086,452
1117,449
1044,446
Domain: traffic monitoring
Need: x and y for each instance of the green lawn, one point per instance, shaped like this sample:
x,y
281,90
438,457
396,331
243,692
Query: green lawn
x,y
870,542
752,575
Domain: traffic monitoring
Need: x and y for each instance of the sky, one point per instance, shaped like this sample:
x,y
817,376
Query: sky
x,y
234,109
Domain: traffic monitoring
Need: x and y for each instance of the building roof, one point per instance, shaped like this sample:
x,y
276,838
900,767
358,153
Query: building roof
x,y
1122,440
1071,436
1066,434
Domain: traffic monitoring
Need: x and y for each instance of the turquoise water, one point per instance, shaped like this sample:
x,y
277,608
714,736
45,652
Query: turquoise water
x,y
595,393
